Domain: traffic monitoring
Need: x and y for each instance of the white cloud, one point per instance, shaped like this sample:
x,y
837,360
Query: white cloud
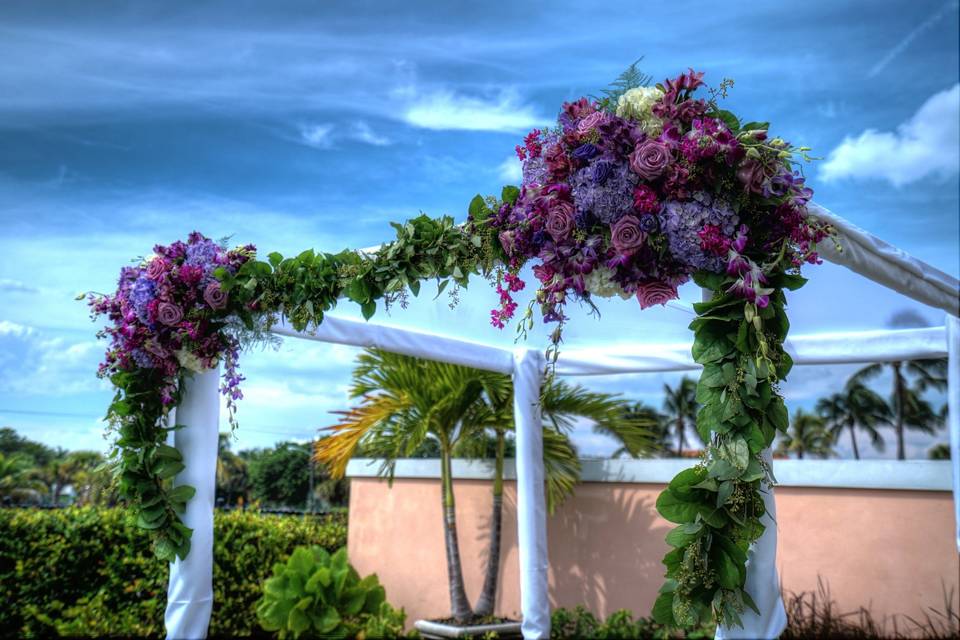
x,y
362,132
926,144
317,135
510,170
32,363
448,110
16,286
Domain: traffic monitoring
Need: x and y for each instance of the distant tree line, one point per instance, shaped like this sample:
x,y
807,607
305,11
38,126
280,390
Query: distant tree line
x,y
855,410
282,476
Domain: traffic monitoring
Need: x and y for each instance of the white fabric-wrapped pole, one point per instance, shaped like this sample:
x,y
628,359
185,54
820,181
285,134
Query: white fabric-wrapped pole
x,y
190,591
531,502
953,410
763,583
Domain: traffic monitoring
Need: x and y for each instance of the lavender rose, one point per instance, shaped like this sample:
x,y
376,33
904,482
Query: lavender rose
x,y
649,159
591,122
651,293
560,221
627,236
214,296
169,314
156,268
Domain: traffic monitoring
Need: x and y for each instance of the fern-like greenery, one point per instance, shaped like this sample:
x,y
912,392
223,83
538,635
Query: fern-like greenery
x,y
631,78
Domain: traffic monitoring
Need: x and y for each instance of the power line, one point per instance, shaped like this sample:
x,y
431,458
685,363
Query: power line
x,y
64,414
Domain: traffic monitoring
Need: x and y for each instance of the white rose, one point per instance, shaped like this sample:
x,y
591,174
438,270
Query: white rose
x,y
189,361
600,282
637,104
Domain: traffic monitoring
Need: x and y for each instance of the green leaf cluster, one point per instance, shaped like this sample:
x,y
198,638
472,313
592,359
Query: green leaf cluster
x,y
316,593
717,505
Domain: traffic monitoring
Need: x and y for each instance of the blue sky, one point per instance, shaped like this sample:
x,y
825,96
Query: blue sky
x,y
295,125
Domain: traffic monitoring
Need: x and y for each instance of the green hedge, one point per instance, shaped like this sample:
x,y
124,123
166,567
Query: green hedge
x,y
88,572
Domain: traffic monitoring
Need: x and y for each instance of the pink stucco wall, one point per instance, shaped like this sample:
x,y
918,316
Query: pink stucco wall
x,y
889,550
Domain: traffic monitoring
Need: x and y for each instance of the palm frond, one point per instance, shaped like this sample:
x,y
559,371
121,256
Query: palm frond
x,y
355,424
561,467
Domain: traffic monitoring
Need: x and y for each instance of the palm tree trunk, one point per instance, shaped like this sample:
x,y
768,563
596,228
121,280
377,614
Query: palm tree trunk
x,y
853,440
680,437
488,595
459,605
898,383
799,454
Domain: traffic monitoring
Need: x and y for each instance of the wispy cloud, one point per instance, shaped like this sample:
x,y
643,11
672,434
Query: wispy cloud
x,y
15,286
319,136
510,170
926,144
901,46
361,131
32,363
449,110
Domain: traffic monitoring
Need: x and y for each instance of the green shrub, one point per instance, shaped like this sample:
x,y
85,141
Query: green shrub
x,y
318,594
89,572
574,624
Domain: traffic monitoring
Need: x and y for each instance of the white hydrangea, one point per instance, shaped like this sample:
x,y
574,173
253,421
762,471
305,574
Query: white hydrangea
x,y
599,282
189,361
637,104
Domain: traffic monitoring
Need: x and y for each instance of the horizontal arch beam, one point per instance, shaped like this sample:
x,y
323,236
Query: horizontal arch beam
x,y
408,342
826,348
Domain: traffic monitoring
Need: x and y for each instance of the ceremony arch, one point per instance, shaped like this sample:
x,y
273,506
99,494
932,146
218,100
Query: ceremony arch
x,y
190,594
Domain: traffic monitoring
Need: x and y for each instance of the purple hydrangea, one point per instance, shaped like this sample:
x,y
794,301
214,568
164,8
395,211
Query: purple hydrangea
x,y
141,295
681,222
535,169
202,254
608,200
142,358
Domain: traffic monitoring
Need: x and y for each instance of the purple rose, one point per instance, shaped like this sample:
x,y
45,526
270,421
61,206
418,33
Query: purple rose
x,y
591,122
601,171
649,159
626,235
585,151
649,223
169,314
654,292
156,268
214,296
560,221
751,175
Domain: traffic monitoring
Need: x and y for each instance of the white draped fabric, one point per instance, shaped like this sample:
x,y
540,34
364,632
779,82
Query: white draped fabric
x,y
531,503
953,411
190,589
883,263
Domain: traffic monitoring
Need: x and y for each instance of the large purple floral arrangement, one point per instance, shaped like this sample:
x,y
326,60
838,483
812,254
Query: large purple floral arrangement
x,y
632,195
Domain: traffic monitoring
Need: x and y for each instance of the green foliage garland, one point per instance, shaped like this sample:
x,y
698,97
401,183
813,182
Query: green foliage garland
x,y
717,505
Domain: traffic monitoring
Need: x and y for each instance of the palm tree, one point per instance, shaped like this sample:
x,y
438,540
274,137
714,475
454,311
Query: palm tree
x,y
930,373
407,401
856,407
680,407
807,434
16,475
652,420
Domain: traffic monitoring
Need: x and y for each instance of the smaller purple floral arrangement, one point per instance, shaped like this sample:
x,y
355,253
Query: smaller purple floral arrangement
x,y
168,314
